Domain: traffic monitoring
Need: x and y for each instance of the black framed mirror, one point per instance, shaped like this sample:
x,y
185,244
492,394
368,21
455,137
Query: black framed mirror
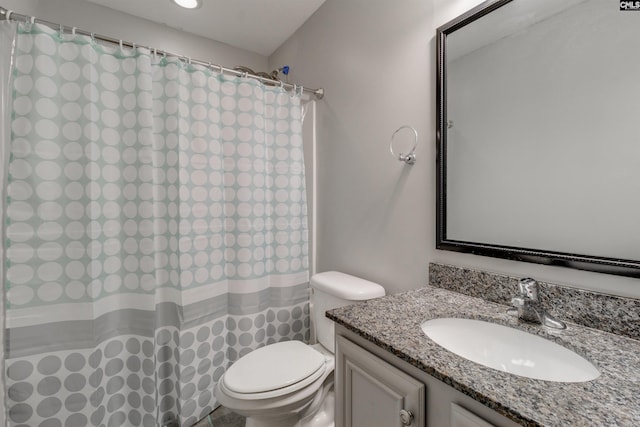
x,y
538,130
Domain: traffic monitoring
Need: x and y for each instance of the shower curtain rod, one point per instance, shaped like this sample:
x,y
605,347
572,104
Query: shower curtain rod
x,y
6,14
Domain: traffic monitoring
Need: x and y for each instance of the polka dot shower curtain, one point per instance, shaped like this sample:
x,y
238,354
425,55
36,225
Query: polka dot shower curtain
x,y
155,231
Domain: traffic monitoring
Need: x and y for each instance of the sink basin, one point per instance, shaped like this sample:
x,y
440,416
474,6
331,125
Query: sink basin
x,y
509,350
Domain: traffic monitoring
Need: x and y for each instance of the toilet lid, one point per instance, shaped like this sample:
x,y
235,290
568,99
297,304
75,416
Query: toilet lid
x,y
272,367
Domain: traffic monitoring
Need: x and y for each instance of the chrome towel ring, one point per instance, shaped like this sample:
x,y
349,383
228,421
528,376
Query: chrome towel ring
x,y
409,158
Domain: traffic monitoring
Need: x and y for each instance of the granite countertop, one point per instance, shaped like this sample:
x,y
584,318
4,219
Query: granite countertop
x,y
613,399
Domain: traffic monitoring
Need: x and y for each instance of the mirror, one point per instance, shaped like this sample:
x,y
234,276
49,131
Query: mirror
x,y
539,133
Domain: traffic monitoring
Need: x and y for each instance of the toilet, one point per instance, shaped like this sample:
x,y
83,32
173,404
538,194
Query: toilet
x,y
290,384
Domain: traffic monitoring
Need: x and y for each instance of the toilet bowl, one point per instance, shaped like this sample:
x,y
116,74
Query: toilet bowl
x,y
255,389
290,384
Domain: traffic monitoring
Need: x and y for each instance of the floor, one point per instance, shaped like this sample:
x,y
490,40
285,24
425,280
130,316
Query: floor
x,y
221,417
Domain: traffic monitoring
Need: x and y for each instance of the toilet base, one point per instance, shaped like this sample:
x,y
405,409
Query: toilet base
x,y
323,416
292,421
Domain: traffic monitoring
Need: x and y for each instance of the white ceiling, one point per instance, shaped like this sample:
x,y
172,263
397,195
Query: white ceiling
x,y
259,26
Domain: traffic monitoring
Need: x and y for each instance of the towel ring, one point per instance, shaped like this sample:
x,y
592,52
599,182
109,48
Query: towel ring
x,y
409,158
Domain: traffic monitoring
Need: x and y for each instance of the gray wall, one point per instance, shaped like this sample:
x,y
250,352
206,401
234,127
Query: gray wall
x,y
26,7
101,20
376,216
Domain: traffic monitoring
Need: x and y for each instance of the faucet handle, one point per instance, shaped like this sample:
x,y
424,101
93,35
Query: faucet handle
x,y
528,288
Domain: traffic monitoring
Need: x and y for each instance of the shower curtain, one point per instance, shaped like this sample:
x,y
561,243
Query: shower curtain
x,y
155,231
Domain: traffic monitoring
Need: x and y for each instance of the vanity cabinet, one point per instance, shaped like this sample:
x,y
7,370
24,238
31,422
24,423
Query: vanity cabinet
x,y
370,392
376,389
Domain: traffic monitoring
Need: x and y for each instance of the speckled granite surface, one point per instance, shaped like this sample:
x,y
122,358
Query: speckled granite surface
x,y
605,312
613,399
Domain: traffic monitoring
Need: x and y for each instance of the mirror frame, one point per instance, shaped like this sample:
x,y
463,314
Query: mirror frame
x,y
621,267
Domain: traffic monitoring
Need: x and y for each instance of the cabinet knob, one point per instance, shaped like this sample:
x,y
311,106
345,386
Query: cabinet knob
x,y
406,417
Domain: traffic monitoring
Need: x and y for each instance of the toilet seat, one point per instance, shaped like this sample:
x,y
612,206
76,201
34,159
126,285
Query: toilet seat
x,y
274,370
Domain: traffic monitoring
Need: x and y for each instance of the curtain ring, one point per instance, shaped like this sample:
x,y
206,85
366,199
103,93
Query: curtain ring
x,y
29,22
61,32
281,84
8,15
244,75
93,38
73,31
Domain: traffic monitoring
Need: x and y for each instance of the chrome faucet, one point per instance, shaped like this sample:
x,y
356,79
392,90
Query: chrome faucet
x,y
527,306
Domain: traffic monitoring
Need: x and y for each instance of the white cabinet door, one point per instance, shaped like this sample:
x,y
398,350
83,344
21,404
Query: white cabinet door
x,y
372,393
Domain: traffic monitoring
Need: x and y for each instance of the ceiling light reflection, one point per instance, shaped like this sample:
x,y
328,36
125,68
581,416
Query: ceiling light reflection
x,y
188,4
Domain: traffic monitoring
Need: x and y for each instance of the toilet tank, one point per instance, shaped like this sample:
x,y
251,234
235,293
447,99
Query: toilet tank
x,y
333,289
